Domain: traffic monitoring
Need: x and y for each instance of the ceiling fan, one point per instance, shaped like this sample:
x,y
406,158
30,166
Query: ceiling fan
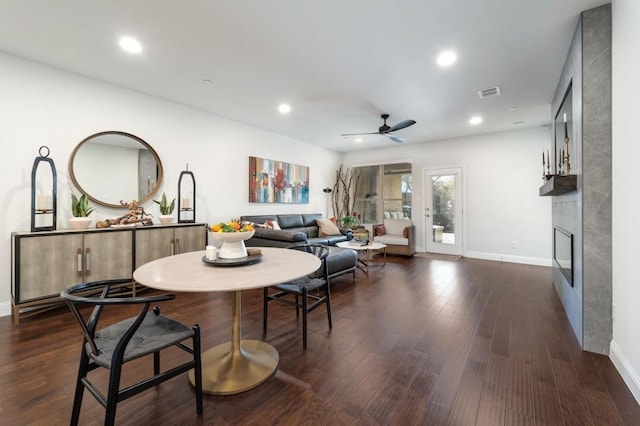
x,y
386,130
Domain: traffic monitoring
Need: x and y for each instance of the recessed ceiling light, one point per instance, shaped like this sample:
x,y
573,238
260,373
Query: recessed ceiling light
x,y
512,108
475,120
130,45
284,108
446,58
358,140
206,81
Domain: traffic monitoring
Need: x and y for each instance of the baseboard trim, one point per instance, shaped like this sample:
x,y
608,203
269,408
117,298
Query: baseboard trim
x,y
624,367
5,308
508,258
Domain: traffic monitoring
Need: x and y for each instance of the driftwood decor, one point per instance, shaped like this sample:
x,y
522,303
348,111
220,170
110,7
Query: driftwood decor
x,y
343,190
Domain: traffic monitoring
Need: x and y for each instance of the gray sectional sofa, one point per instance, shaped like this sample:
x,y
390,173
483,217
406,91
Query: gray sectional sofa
x,y
300,228
295,228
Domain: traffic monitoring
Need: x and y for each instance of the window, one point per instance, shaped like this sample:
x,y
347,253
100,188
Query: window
x,y
382,192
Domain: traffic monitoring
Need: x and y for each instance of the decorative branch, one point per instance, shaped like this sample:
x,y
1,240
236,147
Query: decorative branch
x,y
344,190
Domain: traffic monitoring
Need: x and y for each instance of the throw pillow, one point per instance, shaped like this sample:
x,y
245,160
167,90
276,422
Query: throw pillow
x,y
272,224
327,227
379,230
405,232
334,220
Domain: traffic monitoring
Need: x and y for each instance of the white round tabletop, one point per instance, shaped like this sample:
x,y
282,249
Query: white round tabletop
x,y
187,271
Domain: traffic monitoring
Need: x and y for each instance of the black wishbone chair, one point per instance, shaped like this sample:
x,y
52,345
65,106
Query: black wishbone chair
x,y
112,346
298,293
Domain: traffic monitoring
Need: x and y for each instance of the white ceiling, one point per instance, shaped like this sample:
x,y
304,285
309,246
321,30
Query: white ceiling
x,y
338,63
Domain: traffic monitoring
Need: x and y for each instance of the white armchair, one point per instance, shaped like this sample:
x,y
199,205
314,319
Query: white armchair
x,y
397,234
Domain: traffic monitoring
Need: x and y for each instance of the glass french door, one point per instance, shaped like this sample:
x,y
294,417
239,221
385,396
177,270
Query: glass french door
x,y
443,211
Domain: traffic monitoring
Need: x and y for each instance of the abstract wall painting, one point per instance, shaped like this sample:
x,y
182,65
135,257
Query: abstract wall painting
x,y
273,181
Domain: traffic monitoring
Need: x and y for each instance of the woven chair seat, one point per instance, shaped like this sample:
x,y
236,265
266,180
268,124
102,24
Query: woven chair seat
x,y
155,333
296,286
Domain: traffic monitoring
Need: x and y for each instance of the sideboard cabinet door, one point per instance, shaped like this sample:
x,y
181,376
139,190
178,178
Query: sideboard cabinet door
x,y
190,238
47,265
155,242
108,255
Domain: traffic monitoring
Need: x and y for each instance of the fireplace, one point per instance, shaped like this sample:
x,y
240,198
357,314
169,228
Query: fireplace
x,y
563,252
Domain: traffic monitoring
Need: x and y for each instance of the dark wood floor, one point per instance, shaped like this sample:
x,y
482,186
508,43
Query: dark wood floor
x,y
420,341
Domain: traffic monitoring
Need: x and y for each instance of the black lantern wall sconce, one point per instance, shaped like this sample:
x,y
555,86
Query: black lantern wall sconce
x,y
187,197
44,197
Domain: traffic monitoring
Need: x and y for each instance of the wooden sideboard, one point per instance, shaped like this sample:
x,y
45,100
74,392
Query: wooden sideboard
x,y
45,263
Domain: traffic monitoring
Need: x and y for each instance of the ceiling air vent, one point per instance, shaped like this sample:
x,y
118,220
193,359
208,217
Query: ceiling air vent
x,y
489,92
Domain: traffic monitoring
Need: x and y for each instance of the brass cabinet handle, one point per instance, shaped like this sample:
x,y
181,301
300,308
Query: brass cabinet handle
x,y
173,247
79,261
87,261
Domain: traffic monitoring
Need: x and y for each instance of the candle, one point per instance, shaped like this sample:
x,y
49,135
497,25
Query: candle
x,y
565,130
186,202
543,163
42,201
211,252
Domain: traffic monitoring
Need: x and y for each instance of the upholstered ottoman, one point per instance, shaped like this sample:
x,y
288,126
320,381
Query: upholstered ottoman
x,y
340,261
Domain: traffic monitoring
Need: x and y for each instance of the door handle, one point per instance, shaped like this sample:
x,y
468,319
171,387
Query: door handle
x,y
177,245
172,247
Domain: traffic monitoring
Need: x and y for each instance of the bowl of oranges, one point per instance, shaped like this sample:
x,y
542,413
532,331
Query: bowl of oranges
x,y
232,235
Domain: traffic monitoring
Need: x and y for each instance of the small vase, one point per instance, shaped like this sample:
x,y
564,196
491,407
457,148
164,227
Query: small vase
x,y
165,219
79,222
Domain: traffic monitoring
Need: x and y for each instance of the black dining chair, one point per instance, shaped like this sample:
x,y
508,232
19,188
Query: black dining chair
x,y
114,345
298,293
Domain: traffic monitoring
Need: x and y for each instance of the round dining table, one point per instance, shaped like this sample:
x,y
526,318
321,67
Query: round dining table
x,y
238,365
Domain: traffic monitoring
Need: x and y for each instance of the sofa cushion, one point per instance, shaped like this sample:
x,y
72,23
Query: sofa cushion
x,y
310,219
397,240
258,219
332,240
327,227
291,236
290,221
379,230
273,224
396,226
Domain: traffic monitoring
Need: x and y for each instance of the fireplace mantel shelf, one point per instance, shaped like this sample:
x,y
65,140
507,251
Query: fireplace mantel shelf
x,y
559,185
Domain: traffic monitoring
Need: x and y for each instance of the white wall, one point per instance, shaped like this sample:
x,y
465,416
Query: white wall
x,y
502,174
43,106
625,345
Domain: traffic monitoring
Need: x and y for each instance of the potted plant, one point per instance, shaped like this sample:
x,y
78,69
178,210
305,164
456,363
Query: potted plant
x,y
166,209
80,210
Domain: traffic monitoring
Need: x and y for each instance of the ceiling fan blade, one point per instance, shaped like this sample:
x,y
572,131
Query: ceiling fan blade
x,y
394,138
358,134
400,125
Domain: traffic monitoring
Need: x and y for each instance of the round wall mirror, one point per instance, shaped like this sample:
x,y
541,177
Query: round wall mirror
x,y
111,167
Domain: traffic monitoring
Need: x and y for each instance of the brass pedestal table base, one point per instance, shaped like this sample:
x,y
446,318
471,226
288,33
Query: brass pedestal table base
x,y
226,372
239,365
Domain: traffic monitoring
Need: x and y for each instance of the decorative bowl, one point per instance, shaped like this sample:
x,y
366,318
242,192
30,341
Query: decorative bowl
x,y
232,243
80,222
165,219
